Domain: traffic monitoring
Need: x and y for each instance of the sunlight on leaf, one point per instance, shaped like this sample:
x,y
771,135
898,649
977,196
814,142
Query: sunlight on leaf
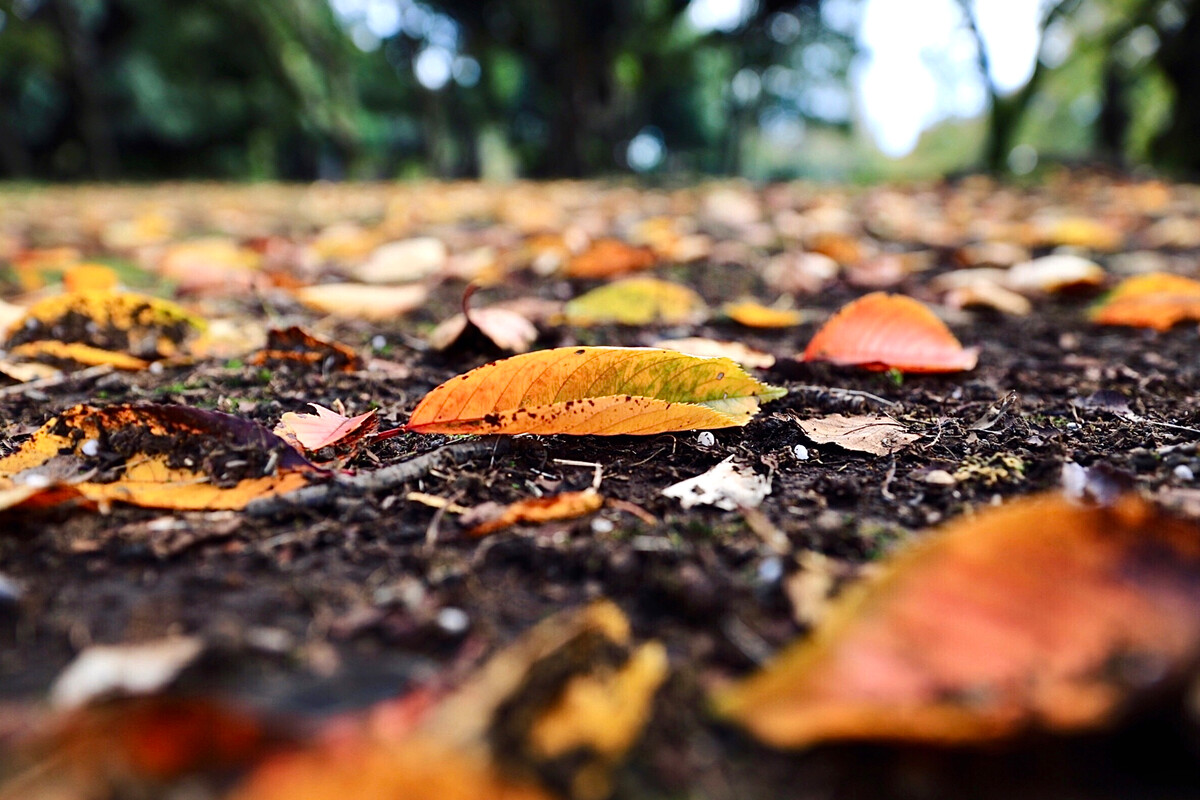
x,y
637,301
1158,300
594,390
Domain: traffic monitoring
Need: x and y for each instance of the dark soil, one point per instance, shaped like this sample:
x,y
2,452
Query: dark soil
x,y
319,610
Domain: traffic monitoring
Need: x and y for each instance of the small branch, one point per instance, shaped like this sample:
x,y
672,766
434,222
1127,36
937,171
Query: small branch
x,y
848,393
320,495
57,380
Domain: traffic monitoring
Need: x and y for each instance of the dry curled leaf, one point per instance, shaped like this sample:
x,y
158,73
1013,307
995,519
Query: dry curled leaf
x,y
296,345
594,390
362,300
881,331
608,257
310,433
566,505
866,433
1157,300
637,301
1040,614
506,329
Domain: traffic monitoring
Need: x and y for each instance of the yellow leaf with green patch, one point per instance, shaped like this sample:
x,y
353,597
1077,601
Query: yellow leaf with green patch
x,y
637,301
594,390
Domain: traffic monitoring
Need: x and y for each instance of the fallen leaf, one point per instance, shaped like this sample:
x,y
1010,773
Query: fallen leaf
x,y
403,262
728,486
89,277
637,301
606,258
362,300
800,272
159,456
326,428
1157,300
1054,273
1016,618
506,329
573,687
594,390
296,345
881,331
142,326
211,264
866,433
77,353
711,348
991,295
756,315
566,505
103,671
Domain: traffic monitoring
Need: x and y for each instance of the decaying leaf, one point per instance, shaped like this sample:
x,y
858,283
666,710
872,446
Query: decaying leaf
x,y
566,505
506,329
594,390
728,485
296,345
142,326
881,331
637,301
565,702
608,257
711,348
157,456
755,315
362,300
310,433
1157,300
866,433
1040,614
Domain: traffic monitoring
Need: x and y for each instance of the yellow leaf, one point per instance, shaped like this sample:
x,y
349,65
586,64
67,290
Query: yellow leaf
x,y
756,315
1156,300
637,301
52,350
594,390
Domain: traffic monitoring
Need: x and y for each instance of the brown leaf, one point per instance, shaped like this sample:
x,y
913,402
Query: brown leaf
x,y
1020,617
294,344
866,433
607,258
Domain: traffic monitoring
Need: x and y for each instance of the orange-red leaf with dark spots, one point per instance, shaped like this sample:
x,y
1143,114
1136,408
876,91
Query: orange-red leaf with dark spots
x,y
882,331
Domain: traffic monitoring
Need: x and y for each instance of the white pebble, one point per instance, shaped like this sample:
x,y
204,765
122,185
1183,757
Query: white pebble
x,y
601,525
156,368
453,620
378,342
800,452
90,448
1184,473
706,439
770,570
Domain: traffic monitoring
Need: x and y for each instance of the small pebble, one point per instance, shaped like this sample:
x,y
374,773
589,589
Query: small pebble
x,y
706,439
1184,473
800,452
770,569
10,592
453,620
90,448
378,342
939,477
601,525
156,368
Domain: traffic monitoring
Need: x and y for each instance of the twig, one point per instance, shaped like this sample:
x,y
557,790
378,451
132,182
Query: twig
x,y
56,380
379,480
848,393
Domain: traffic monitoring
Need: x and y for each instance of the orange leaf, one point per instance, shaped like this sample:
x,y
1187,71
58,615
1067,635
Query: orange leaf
x,y
1008,620
882,331
295,344
566,505
756,315
608,257
89,277
78,353
594,390
326,428
1156,300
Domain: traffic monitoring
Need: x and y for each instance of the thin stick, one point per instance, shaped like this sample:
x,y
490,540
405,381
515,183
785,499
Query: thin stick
x,y
848,393
57,380
323,494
